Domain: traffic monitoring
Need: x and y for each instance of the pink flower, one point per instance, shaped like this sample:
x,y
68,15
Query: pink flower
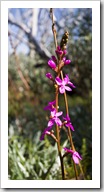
x,y
65,52
46,131
54,58
68,122
59,51
50,106
49,76
52,64
54,118
66,62
62,84
75,155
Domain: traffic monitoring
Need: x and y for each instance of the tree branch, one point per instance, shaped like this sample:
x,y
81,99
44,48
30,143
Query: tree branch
x,y
42,51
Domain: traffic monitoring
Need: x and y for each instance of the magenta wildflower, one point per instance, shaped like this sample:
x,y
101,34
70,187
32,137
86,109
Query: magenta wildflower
x,y
62,84
54,118
50,106
59,51
75,155
69,82
68,122
46,131
52,64
65,52
49,76
66,62
54,58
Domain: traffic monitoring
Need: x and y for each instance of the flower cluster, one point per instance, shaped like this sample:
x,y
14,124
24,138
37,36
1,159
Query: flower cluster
x,y
54,118
63,84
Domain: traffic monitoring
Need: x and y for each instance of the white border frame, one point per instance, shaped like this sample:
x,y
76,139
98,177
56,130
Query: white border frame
x,y
95,182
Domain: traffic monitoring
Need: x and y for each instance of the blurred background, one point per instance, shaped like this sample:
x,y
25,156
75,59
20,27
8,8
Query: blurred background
x,y
30,46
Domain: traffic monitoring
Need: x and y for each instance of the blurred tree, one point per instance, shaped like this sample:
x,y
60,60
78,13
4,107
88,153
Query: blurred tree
x,y
35,26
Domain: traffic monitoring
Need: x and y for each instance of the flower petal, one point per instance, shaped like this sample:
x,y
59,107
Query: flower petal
x,y
67,88
52,103
65,52
71,84
67,117
68,150
58,121
71,126
58,81
64,59
54,58
59,51
48,75
75,159
47,108
62,89
77,154
50,106
58,48
67,62
45,132
53,113
52,64
66,79
50,123
59,113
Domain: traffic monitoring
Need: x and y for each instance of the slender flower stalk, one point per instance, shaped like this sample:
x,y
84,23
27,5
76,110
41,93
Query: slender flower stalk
x,y
69,131
56,98
64,39
66,103
62,84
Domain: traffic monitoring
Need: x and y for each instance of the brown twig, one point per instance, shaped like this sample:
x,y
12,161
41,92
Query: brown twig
x,y
18,65
53,28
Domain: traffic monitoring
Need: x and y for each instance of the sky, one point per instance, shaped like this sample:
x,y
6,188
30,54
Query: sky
x,y
42,16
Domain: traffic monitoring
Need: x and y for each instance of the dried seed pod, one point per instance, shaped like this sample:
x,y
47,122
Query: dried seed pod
x,y
64,40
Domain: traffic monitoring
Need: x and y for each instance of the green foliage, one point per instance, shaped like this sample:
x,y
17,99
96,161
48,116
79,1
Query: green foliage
x,y
32,159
